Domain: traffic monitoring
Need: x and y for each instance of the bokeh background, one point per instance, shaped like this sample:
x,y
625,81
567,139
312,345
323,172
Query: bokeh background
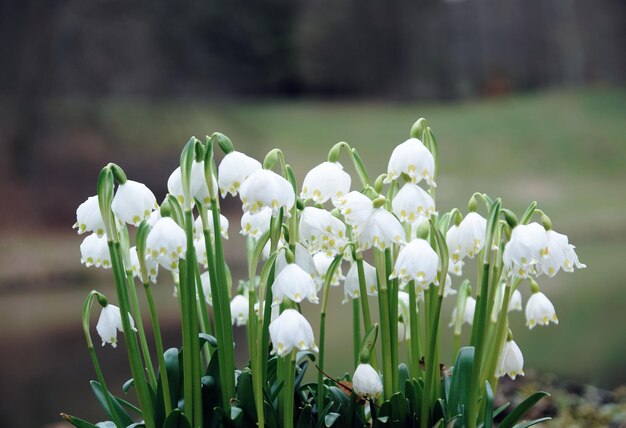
x,y
527,99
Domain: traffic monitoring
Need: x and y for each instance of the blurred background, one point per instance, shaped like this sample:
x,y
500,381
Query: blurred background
x,y
527,100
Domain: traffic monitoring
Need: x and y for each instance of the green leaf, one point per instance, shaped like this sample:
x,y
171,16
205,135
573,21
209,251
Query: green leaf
x,y
300,372
176,419
488,420
126,387
245,396
399,410
305,420
403,376
78,423
174,373
207,338
461,382
519,412
500,409
531,423
330,419
122,416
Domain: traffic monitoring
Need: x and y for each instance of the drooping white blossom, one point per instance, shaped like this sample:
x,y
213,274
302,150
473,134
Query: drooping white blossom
x,y
351,283
109,323
304,259
88,217
205,281
413,159
382,230
366,383
418,262
540,310
166,243
527,246
294,283
511,361
257,224
152,266
321,231
133,202
233,171
471,234
94,251
559,255
291,330
322,264
199,231
515,301
264,188
239,310
412,202
198,188
326,181
468,315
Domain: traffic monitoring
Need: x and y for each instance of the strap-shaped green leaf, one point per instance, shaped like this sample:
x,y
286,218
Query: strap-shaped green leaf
x,y
117,408
176,419
518,413
488,420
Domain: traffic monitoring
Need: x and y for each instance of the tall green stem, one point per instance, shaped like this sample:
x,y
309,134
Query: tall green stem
x,y
288,402
356,331
416,369
385,324
365,306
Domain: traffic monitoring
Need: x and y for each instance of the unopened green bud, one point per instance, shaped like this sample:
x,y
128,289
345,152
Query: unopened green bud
x,y
458,217
472,205
102,300
545,221
165,208
300,204
335,152
510,217
289,256
270,159
336,213
378,184
418,128
223,141
422,230
118,173
368,344
200,151
534,287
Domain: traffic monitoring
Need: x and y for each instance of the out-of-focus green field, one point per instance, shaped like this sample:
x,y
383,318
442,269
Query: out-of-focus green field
x,y
567,150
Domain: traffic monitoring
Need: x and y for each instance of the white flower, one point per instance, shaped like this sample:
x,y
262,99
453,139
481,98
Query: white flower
x,y
205,281
366,383
199,244
511,361
414,159
166,243
239,310
109,323
94,251
257,224
304,259
456,267
133,202
198,230
382,230
322,231
152,266
468,315
291,330
452,242
448,290
351,284
527,245
412,202
322,264
326,181
197,185
356,209
515,301
88,217
233,171
471,234
265,188
418,262
560,254
154,217
539,310
295,284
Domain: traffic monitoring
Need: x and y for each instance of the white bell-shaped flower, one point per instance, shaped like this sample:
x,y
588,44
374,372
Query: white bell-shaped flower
x,y
322,264
233,171
527,246
88,217
412,202
413,159
511,361
291,330
197,185
471,234
454,247
356,209
448,290
239,310
366,383
109,323
166,243
294,283
468,315
326,181
199,231
94,251
199,244
205,281
133,202
559,255
152,266
322,231
381,231
351,284
304,259
540,310
418,262
257,224
515,301
456,267
264,188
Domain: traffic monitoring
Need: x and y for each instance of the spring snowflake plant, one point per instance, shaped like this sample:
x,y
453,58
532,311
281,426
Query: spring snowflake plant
x,y
402,258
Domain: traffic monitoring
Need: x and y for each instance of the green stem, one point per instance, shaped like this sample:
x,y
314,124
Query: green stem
x,y
416,369
141,386
205,323
356,331
134,302
288,402
432,370
365,306
159,349
393,321
385,324
94,359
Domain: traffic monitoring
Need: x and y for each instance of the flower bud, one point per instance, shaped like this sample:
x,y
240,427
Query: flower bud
x,y
366,383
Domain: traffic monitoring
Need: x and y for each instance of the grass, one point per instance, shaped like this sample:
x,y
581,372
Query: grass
x,y
566,149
